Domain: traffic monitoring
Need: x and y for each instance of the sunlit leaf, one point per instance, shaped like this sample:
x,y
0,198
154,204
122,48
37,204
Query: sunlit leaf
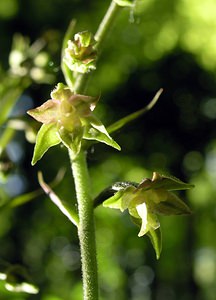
x,y
46,138
3,269
17,280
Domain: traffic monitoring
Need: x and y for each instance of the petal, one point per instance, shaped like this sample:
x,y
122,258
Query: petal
x,y
142,212
149,220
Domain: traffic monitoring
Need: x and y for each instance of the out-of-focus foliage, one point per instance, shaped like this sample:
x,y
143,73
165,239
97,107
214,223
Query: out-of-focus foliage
x,y
169,44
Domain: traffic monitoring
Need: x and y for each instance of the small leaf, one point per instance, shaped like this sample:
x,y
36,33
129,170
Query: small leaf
x,y
124,121
47,137
64,207
156,240
172,206
10,95
97,131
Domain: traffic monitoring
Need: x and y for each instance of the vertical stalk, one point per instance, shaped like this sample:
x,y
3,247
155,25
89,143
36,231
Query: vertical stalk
x,y
106,23
103,30
86,228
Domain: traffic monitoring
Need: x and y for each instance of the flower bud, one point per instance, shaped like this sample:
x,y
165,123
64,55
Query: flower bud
x,y
80,55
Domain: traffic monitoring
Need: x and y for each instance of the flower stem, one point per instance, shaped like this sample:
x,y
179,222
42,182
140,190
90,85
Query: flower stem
x,y
86,229
100,35
106,23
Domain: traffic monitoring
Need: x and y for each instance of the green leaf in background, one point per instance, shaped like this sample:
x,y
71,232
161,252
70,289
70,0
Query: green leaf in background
x,y
11,92
47,137
27,197
17,280
95,130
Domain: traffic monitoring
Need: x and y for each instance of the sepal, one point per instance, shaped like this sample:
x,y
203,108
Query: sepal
x,y
95,130
167,182
156,240
172,206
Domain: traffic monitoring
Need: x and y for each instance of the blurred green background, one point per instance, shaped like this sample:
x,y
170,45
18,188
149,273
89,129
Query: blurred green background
x,y
168,44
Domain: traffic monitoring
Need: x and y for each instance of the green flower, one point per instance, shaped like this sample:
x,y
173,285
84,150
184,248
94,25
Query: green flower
x,y
80,55
144,202
67,118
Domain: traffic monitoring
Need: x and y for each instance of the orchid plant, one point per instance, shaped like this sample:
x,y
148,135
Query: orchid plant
x,y
68,118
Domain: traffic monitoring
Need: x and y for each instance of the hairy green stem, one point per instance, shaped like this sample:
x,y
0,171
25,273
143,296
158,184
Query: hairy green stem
x,y
86,229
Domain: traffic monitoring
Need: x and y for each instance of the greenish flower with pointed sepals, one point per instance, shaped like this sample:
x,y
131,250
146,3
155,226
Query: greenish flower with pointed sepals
x,y
67,118
144,202
80,55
